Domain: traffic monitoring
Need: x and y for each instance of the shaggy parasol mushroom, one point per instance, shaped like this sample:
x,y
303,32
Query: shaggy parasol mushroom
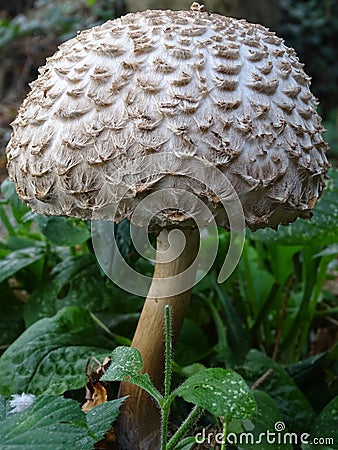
x,y
203,88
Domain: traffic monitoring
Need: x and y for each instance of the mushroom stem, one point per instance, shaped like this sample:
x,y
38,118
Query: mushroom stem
x,y
139,421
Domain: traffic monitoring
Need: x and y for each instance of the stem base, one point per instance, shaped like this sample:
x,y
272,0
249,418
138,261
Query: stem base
x,y
140,422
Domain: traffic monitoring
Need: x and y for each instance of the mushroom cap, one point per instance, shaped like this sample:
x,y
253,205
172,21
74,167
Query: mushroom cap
x,y
181,88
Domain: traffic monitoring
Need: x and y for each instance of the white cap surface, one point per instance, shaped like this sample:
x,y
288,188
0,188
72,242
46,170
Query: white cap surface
x,y
204,88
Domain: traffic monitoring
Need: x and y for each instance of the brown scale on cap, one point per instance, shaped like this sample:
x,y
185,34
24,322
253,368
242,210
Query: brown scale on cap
x,y
205,86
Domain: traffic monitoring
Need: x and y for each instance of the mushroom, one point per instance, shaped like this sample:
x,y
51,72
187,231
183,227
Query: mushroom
x,y
186,89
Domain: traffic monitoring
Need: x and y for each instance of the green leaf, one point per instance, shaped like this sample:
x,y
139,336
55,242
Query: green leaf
x,y
191,369
11,316
294,406
4,408
330,250
50,356
104,230
8,32
325,426
55,423
51,423
237,336
186,351
100,418
313,367
126,365
17,260
322,229
124,241
219,391
186,443
77,281
23,241
268,415
281,260
257,281
63,231
19,208
312,377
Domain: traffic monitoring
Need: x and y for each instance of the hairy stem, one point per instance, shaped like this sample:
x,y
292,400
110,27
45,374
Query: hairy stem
x,y
167,378
194,415
224,434
140,420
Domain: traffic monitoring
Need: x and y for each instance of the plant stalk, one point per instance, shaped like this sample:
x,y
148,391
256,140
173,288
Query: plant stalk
x,y
7,222
224,434
165,411
194,415
139,423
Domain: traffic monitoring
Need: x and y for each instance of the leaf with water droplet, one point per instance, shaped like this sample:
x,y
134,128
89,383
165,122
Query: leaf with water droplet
x,y
325,426
100,418
4,408
63,231
50,356
126,365
221,392
255,429
292,403
48,421
53,422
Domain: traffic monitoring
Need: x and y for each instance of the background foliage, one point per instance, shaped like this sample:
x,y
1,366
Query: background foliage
x,y
274,321
266,321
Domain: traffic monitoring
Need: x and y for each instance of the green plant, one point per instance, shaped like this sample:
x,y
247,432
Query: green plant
x,y
52,421
219,391
58,309
278,288
54,18
311,26
331,135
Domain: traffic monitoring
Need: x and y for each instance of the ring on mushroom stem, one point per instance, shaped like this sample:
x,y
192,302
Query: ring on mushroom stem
x,y
196,86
